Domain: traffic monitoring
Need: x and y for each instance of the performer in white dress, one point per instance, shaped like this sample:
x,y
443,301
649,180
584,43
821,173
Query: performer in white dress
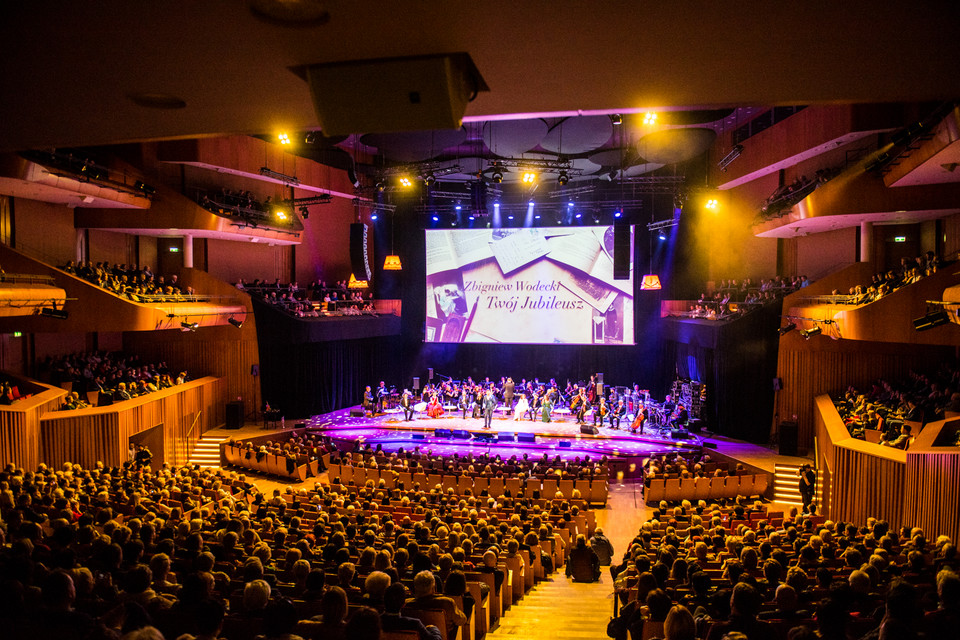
x,y
522,407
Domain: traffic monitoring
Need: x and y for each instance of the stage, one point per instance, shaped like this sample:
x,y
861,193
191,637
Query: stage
x,y
451,433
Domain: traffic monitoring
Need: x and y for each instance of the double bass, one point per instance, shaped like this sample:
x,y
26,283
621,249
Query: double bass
x,y
639,420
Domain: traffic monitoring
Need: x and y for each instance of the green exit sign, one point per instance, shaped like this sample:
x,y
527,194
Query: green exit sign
x,y
895,239
17,334
177,249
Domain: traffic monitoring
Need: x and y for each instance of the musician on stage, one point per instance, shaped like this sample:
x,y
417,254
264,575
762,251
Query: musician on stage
x,y
592,390
639,420
679,417
617,413
464,403
600,412
382,394
579,405
508,389
367,403
477,406
406,403
536,403
668,405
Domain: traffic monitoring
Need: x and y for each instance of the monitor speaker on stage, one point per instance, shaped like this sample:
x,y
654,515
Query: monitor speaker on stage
x,y
695,425
680,434
526,437
418,436
461,434
504,436
709,445
789,432
564,444
442,433
589,429
416,384
621,251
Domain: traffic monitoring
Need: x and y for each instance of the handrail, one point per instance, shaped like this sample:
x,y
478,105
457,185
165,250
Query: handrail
x,y
194,425
28,278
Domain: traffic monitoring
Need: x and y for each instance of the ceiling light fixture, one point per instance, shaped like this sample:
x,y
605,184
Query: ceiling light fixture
x,y
284,138
649,119
529,177
563,178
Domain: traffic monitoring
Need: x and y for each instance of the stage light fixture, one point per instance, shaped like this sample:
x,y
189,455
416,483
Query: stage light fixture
x,y
618,213
932,319
405,181
305,212
529,177
616,119
497,176
237,323
280,214
436,219
578,216
189,326
380,186
712,204
563,178
53,312
429,179
787,328
284,138
458,207
649,119
374,217
810,333
662,237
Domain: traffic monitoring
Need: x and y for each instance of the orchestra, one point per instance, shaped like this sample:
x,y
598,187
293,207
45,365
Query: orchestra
x,y
532,400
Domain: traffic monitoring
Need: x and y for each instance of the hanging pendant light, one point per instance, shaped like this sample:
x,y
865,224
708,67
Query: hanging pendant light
x,y
650,282
392,263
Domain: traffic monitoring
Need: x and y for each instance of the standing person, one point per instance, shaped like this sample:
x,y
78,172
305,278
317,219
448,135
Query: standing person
x,y
406,403
546,408
808,485
382,394
602,546
367,403
508,388
489,404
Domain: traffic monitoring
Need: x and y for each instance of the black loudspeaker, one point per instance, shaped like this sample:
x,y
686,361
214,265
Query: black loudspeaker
x,y
621,251
416,93
589,429
418,436
356,412
789,432
442,433
430,374
461,434
564,444
709,445
695,425
526,437
416,384
234,417
504,436
680,434
358,250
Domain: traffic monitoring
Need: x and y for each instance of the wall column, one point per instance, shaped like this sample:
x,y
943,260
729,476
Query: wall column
x,y
866,242
81,245
188,251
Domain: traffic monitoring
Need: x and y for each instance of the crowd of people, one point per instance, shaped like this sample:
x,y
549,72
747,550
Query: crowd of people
x,y
296,449
116,375
886,282
688,464
692,572
733,298
890,407
317,300
138,284
190,553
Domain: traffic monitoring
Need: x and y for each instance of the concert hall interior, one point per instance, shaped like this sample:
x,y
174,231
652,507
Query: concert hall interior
x,y
300,299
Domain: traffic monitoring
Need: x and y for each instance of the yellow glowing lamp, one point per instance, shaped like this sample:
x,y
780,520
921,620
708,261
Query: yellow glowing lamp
x,y
284,138
392,263
405,181
529,177
712,203
281,214
649,119
356,284
650,282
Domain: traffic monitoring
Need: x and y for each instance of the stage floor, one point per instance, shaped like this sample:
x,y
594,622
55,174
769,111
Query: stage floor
x,y
506,436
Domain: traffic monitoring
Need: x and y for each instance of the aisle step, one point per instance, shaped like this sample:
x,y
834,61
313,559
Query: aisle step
x,y
206,452
786,484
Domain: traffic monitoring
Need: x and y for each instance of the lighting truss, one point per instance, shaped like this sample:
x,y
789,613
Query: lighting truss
x,y
421,170
323,198
660,225
279,177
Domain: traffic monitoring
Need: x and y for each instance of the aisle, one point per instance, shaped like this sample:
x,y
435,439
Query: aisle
x,y
560,608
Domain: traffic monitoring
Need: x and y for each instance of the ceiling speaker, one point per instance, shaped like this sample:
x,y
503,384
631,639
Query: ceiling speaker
x,y
393,94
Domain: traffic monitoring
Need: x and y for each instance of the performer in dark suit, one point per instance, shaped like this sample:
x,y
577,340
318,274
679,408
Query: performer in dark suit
x,y
600,412
406,403
680,416
367,403
617,414
489,404
508,388
382,394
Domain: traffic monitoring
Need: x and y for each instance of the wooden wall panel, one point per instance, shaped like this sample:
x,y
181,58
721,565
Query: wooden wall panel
x,y
101,434
19,427
917,487
812,367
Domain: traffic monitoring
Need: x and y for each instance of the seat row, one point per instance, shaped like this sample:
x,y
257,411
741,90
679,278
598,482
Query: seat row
x,y
272,464
593,492
677,489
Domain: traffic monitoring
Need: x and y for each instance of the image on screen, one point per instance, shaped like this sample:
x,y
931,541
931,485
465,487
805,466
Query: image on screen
x,y
547,285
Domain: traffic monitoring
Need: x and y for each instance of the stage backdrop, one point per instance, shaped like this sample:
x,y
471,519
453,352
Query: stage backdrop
x,y
526,286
